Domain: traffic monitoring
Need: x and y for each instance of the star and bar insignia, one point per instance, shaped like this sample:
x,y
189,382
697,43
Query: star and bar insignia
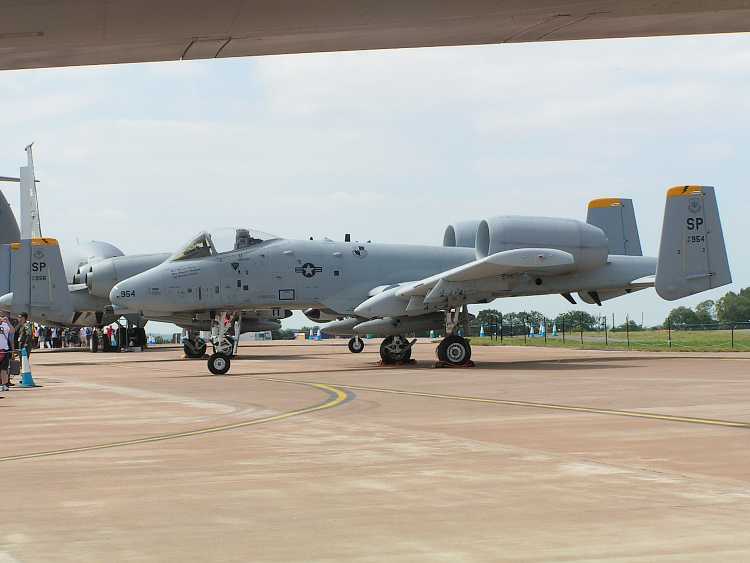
x,y
308,269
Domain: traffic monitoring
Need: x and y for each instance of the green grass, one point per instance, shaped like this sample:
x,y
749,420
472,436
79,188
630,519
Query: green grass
x,y
649,340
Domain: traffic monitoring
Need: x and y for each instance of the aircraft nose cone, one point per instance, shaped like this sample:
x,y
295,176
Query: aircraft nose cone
x,y
363,310
119,296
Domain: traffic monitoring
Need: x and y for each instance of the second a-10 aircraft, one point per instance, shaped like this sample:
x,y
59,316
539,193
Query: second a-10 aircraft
x,y
393,290
91,269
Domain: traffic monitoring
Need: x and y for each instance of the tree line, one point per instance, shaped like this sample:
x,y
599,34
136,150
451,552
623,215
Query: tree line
x,y
731,308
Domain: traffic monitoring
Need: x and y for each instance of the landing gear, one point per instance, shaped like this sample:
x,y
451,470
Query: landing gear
x,y
193,345
395,350
218,364
225,330
454,350
356,345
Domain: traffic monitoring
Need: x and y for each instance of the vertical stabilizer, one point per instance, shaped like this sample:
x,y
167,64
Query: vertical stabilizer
x,y
30,223
616,217
692,255
38,281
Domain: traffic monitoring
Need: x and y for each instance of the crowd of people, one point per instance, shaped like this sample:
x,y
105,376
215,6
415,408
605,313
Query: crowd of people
x,y
15,335
20,333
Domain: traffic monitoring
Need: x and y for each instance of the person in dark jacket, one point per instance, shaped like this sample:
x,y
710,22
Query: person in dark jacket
x,y
25,333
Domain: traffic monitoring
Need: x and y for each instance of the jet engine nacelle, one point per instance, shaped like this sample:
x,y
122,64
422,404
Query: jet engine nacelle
x,y
102,276
587,243
79,257
461,235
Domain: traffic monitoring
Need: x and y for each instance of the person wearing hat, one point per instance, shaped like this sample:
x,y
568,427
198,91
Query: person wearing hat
x,y
5,349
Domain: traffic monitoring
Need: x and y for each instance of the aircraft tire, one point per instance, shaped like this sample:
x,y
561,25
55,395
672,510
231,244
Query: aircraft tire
x,y
454,350
219,364
391,356
356,345
191,352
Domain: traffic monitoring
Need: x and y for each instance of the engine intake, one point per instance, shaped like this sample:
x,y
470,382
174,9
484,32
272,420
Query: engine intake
x,y
462,235
102,276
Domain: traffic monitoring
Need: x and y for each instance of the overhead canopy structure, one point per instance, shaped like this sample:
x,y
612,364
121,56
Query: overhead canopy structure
x,y
52,33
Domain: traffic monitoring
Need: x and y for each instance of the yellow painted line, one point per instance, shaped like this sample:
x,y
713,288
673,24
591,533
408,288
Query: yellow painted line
x,y
336,397
551,406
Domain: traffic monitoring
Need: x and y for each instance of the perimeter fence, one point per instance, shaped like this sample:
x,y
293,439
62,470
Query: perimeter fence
x,y
683,337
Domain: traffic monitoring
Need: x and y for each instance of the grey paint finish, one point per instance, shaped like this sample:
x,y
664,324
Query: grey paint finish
x,y
404,284
47,33
462,234
617,220
285,273
9,231
5,279
692,255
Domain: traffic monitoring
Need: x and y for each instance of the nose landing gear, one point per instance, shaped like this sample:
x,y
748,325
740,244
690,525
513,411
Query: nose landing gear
x,y
225,332
219,364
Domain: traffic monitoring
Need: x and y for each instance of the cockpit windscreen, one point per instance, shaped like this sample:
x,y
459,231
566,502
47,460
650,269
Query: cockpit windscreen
x,y
220,241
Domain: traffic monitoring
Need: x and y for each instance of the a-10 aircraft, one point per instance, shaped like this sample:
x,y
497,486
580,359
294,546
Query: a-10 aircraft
x,y
393,290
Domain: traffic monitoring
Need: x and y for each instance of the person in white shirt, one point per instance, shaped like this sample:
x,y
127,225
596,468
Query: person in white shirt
x,y
5,347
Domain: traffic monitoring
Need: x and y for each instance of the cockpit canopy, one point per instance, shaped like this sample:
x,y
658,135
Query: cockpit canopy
x,y
206,244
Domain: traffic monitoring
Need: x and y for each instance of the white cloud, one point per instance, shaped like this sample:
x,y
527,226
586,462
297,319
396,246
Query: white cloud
x,y
387,145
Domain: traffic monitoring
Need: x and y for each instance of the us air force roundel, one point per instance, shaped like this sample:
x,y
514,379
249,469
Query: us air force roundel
x,y
308,269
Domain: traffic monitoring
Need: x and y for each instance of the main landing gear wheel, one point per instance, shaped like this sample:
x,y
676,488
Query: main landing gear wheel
x,y
219,364
395,349
356,345
454,350
194,350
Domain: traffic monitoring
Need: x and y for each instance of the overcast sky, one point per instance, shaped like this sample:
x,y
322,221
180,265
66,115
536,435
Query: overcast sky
x,y
387,145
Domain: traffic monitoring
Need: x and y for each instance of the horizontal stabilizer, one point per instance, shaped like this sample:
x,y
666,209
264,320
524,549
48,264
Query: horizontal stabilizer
x,y
692,255
616,217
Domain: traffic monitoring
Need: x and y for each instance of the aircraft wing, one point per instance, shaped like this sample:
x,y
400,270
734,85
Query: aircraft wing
x,y
51,33
526,260
479,277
